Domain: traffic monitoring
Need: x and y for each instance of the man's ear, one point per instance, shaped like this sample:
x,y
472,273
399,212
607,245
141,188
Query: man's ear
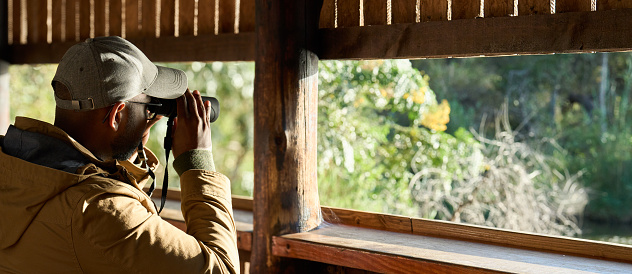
x,y
115,116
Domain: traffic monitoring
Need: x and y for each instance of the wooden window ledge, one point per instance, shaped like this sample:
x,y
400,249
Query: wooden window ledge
x,y
362,240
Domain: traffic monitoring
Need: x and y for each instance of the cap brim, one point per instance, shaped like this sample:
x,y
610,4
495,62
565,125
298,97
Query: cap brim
x,y
169,84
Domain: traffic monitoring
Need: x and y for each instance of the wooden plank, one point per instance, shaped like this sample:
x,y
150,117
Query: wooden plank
x,y
572,5
167,18
242,202
16,22
434,10
530,7
499,8
286,110
247,16
348,13
186,18
538,34
206,17
614,4
148,20
404,11
367,219
36,22
481,234
132,24
375,12
85,27
99,18
465,9
328,14
57,21
365,248
72,18
116,21
225,48
226,16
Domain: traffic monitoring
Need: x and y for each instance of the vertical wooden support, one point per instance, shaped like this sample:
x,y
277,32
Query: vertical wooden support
x,y
247,16
226,16
148,21
85,25
328,15
17,21
99,18
37,29
375,12
131,19
348,13
572,5
4,66
465,9
613,4
404,11
116,20
167,18
71,20
499,8
57,21
286,110
530,7
185,17
206,17
434,10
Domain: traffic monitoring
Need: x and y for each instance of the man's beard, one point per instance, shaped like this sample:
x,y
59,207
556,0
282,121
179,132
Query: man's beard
x,y
124,145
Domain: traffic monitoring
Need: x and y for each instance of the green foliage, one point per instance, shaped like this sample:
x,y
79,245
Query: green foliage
x,y
31,92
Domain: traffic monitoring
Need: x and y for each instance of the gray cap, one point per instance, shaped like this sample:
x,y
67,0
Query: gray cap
x,y
104,70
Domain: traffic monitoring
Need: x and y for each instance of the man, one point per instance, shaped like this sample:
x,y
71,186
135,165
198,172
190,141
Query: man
x,y
71,198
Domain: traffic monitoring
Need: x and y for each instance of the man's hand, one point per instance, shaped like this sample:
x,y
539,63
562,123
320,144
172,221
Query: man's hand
x,y
192,129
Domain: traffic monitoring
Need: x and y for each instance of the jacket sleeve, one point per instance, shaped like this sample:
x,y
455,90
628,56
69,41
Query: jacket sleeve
x,y
113,231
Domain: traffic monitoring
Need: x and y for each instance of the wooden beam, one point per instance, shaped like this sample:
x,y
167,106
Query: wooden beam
x,y
572,5
36,17
404,11
286,111
247,16
72,16
465,9
531,7
537,34
4,66
434,10
226,16
204,48
167,18
499,8
115,19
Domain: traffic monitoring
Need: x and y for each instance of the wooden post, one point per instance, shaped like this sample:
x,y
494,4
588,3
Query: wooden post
x,y
4,66
286,110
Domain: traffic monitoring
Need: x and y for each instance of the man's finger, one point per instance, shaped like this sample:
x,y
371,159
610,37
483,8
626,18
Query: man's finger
x,y
191,104
182,112
200,104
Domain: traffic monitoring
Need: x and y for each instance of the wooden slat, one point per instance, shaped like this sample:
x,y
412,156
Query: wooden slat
x,y
465,9
247,16
499,8
226,47
328,14
131,19
572,5
538,34
404,11
186,17
206,17
71,20
17,21
375,12
348,13
148,26
167,18
613,4
434,10
84,19
4,66
530,7
56,20
226,16
367,219
115,17
37,29
99,18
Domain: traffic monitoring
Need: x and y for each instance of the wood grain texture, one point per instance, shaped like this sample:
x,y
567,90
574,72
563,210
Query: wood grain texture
x,y
226,16
247,16
403,11
348,13
499,8
148,20
367,219
186,17
572,5
36,22
115,18
206,17
613,4
72,16
286,110
84,19
99,18
56,20
530,7
375,12
167,18
132,24
434,10
465,9
16,21
537,34
328,14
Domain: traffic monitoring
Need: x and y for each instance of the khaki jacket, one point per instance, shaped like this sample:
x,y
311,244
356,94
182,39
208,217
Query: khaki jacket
x,y
98,220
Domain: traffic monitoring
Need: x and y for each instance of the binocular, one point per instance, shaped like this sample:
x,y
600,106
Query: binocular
x,y
169,107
